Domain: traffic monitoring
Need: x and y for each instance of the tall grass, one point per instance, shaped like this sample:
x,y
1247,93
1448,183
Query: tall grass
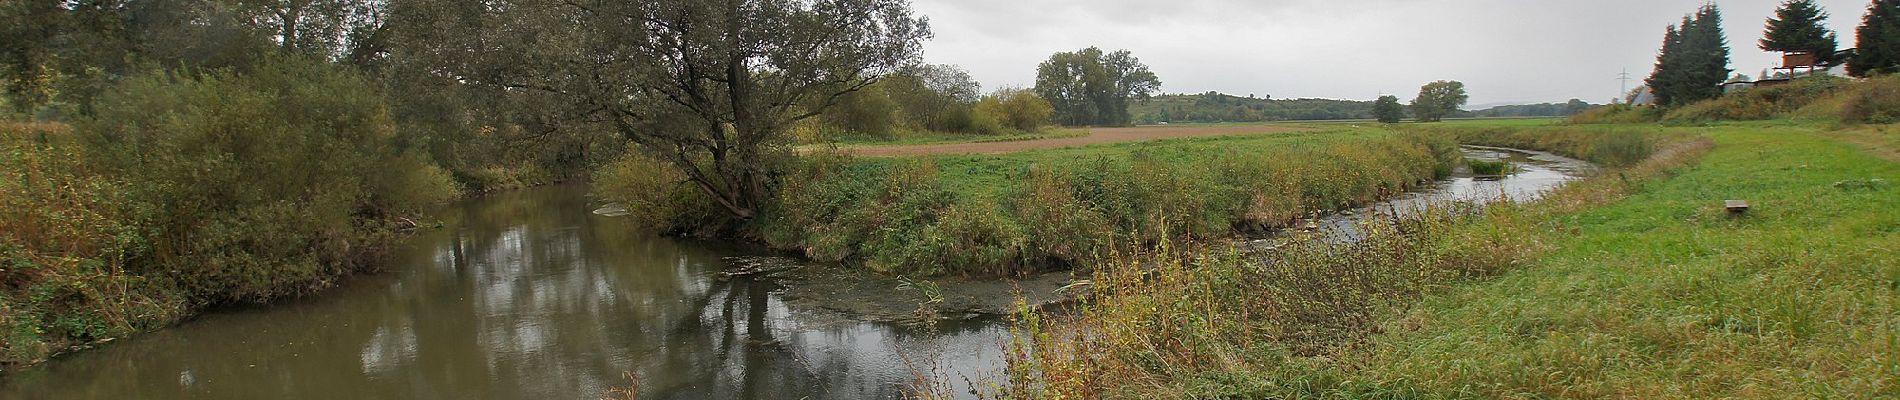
x,y
988,215
1186,323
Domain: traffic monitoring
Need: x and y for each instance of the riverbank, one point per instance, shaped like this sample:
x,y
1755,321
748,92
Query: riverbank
x,y
1032,211
878,297
1634,284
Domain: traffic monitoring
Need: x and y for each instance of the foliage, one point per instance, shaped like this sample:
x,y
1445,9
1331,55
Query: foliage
x,y
1877,49
656,196
1693,61
1090,87
1017,109
935,98
68,236
1388,110
1491,168
1799,26
197,149
712,87
1438,99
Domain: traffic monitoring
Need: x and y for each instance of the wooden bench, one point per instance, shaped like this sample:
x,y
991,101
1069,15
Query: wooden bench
x,y
1736,207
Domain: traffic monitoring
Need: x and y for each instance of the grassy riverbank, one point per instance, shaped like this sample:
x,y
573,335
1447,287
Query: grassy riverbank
x,y
1000,214
1632,284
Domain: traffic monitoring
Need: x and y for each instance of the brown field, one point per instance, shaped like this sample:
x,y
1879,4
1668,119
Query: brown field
x,y
1096,136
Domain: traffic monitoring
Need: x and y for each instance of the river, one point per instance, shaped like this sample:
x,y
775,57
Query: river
x,y
528,295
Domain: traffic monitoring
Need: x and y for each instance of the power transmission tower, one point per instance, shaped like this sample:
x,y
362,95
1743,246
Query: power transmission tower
x,y
1625,77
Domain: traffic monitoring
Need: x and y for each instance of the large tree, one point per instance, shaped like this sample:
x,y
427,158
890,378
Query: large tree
x,y
710,86
1091,87
1387,109
1694,60
1878,51
1799,26
1437,99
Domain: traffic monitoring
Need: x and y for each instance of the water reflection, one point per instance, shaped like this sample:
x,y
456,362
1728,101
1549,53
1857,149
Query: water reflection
x,y
523,295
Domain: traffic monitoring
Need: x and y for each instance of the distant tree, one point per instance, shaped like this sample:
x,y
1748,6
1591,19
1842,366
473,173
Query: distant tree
x,y
1878,51
1799,26
1575,106
933,97
1017,109
1387,109
1694,60
1438,99
1090,87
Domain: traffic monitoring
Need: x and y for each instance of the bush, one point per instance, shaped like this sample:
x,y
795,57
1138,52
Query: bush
x,y
1017,109
262,184
67,237
657,195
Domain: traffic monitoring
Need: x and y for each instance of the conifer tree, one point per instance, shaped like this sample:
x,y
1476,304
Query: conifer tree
x,y
1797,27
1694,60
1878,51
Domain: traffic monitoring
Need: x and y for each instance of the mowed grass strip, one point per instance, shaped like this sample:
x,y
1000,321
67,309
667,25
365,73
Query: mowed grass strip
x,y
1663,295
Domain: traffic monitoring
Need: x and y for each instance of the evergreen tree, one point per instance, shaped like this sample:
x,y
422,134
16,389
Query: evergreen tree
x,y
1797,27
1879,38
1694,60
1387,109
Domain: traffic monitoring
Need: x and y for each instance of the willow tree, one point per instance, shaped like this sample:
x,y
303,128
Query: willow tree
x,y
710,86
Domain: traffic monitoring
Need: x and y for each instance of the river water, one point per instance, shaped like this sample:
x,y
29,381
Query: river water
x,y
528,295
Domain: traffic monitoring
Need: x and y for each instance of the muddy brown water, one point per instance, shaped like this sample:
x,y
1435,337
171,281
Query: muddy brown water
x,y
529,295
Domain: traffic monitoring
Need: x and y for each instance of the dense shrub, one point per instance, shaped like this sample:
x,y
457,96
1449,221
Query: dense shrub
x,y
67,236
267,183
1017,109
657,195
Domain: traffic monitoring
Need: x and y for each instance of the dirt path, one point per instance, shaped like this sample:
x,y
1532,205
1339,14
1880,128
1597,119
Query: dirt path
x,y
1097,136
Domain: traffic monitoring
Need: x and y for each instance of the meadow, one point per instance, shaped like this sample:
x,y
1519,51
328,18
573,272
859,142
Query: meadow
x,y
1633,284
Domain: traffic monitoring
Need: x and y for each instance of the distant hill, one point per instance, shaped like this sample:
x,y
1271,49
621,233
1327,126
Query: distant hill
x,y
1220,107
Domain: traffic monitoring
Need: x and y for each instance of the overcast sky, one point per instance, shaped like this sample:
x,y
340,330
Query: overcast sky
x,y
1505,51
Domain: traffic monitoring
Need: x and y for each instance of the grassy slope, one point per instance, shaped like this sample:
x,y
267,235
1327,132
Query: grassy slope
x,y
1661,295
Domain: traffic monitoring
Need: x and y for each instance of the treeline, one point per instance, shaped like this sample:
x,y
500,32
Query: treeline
x,y
1220,107
1566,109
1214,107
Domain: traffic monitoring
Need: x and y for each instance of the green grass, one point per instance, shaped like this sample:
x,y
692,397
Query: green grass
x,y
1662,295
1061,207
1634,284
